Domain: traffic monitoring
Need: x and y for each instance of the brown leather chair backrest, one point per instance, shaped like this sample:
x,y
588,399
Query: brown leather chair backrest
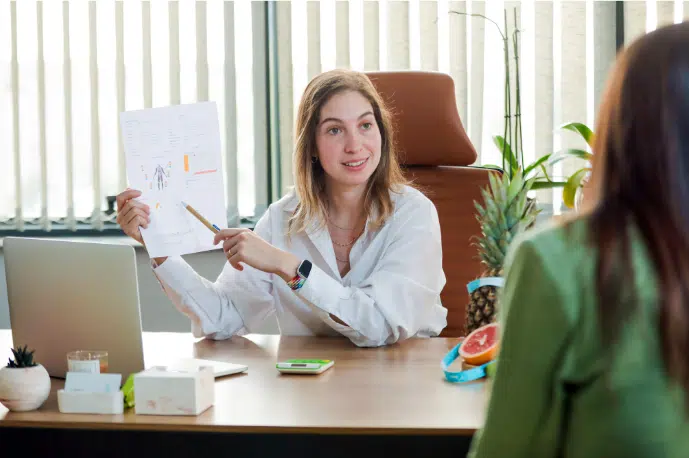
x,y
436,152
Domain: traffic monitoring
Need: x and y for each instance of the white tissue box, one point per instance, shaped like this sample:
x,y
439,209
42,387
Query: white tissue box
x,y
90,402
163,391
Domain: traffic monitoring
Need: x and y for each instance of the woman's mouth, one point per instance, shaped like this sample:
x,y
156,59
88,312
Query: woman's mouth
x,y
356,165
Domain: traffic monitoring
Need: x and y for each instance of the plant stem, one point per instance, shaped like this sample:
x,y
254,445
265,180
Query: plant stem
x,y
484,17
508,101
518,115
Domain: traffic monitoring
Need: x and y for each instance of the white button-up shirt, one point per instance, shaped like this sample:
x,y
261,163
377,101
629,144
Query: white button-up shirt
x,y
391,293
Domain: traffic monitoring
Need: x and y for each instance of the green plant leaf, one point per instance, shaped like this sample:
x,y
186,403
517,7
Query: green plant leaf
x,y
570,190
547,185
506,151
535,164
581,129
571,152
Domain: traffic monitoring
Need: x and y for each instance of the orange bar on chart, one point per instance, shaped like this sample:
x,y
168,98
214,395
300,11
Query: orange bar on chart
x,y
186,162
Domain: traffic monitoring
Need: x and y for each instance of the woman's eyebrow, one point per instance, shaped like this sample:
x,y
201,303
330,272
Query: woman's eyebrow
x,y
339,120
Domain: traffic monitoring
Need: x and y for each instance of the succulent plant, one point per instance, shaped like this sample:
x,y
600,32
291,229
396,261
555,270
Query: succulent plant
x,y
22,358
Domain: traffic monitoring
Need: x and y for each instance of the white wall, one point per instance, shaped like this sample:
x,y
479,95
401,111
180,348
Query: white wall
x,y
157,312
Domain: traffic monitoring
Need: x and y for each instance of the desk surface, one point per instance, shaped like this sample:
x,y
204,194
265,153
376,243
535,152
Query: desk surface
x,y
391,390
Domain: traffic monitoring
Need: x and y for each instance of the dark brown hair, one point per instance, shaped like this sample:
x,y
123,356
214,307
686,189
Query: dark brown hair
x,y
640,179
309,177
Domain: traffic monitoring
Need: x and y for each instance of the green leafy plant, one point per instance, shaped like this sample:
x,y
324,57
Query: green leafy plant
x,y
510,142
576,180
22,358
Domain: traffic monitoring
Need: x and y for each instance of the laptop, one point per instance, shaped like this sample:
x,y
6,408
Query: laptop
x,y
67,295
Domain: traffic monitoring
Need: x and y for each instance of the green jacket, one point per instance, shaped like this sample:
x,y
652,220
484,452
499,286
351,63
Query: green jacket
x,y
555,392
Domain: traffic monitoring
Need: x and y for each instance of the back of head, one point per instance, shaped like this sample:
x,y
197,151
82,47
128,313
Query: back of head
x,y
641,166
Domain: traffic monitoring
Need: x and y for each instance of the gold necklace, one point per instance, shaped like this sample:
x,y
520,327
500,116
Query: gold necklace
x,y
349,243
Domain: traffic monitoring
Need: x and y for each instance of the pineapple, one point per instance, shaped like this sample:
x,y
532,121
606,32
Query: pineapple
x,y
506,212
22,358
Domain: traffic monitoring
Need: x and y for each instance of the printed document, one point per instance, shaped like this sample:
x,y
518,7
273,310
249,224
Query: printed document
x,y
173,154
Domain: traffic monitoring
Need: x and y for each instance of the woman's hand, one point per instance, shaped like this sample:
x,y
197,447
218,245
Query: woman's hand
x,y
243,245
132,214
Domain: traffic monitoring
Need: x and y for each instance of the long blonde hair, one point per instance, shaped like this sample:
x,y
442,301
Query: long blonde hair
x,y
310,176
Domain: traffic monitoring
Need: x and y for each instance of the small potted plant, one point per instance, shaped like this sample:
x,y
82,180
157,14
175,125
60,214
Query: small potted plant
x,y
24,384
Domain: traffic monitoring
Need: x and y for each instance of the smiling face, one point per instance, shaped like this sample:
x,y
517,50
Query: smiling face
x,y
348,140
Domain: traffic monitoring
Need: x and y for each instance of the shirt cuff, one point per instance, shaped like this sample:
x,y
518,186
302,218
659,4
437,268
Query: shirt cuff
x,y
323,291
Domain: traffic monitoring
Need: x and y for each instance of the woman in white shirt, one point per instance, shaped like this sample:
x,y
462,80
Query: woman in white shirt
x,y
352,250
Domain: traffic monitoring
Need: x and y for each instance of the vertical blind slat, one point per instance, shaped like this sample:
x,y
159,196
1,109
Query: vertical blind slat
x,y
371,36
544,84
356,38
120,90
556,25
475,47
285,100
457,48
328,40
414,33
493,93
69,143
573,76
14,77
146,53
398,35
686,11
313,40
96,220
665,13
342,34
527,69
605,48
634,20
428,31
258,18
42,149
175,64
230,118
201,53
383,12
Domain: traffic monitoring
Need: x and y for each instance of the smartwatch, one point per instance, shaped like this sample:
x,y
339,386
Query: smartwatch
x,y
303,272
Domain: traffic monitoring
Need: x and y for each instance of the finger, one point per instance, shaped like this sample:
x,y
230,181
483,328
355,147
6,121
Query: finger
x,y
140,222
133,228
225,234
234,261
137,213
124,214
125,196
231,242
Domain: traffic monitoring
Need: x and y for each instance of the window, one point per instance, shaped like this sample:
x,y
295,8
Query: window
x,y
68,68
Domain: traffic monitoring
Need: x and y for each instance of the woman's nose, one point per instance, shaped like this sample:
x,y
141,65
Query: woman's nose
x,y
353,144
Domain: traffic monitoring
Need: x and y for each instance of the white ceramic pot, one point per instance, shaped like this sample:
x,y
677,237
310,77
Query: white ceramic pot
x,y
23,389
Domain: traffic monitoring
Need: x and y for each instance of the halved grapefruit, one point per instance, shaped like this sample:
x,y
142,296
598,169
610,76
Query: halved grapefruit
x,y
481,345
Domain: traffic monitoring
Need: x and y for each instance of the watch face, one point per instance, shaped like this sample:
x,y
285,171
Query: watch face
x,y
305,268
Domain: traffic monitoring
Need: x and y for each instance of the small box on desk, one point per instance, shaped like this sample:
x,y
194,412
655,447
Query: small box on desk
x,y
163,391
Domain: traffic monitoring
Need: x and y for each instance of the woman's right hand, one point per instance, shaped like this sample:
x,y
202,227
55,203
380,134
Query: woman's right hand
x,y
132,214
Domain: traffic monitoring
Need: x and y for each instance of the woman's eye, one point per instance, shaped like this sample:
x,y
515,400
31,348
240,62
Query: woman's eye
x,y
334,130
367,125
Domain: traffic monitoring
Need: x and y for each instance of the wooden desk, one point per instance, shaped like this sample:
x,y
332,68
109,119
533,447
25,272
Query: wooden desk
x,y
391,391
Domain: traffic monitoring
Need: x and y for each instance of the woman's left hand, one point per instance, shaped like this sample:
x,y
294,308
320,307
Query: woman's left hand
x,y
243,245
